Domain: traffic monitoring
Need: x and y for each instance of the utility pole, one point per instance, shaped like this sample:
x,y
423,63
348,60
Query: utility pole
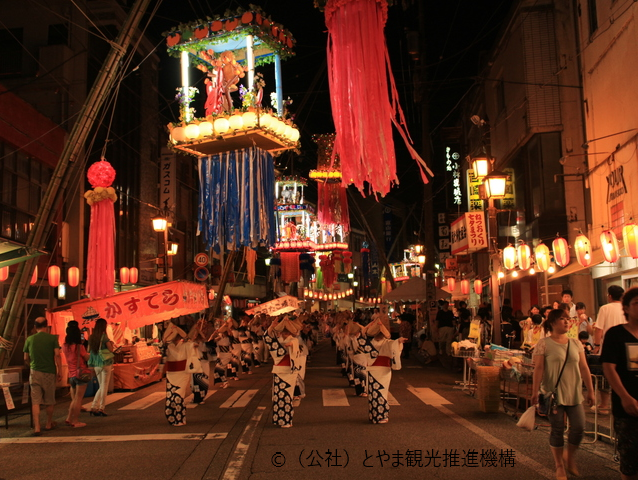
x,y
64,171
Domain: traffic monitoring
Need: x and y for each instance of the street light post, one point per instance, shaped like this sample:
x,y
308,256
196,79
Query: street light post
x,y
160,225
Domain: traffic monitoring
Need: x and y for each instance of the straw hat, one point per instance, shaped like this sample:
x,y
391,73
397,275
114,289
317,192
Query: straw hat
x,y
354,328
289,325
378,326
171,332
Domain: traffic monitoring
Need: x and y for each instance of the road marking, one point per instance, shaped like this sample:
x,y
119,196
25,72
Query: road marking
x,y
334,397
235,465
117,438
392,400
245,399
111,398
145,402
323,368
189,400
429,396
520,458
232,399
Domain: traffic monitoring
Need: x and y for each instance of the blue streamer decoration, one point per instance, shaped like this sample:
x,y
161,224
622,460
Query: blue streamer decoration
x,y
237,199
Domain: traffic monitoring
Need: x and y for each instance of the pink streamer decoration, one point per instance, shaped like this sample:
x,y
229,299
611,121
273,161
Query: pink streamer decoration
x,y
100,263
332,205
360,78
289,267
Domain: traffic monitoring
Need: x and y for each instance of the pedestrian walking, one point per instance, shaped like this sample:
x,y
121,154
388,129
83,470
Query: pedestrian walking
x,y
76,360
101,359
561,367
42,354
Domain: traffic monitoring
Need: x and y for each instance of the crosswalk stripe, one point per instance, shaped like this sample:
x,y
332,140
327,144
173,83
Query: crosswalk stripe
x,y
111,398
117,438
429,396
334,397
189,400
145,402
245,399
232,399
392,400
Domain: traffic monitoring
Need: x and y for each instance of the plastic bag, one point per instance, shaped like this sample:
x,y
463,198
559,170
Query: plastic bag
x,y
528,419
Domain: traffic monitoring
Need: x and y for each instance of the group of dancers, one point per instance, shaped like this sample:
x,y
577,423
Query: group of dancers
x,y
366,354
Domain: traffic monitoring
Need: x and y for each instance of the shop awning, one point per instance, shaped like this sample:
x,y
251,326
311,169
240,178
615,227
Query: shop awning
x,y
139,307
414,290
575,267
12,253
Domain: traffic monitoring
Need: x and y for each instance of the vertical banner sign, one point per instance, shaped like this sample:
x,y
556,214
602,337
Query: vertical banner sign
x,y
387,227
474,202
469,233
168,182
508,202
458,235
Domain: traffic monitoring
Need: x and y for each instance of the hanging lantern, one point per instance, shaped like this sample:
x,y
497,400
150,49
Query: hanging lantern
x,y
495,184
481,167
478,286
34,277
609,244
4,273
541,254
524,255
211,295
73,276
561,251
133,275
124,275
465,287
451,283
630,239
509,257
53,275
582,247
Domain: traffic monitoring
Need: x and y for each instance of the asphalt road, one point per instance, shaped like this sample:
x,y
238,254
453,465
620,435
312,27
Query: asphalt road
x,y
435,431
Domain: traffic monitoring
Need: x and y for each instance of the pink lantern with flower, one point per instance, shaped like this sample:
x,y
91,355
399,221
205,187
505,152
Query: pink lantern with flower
x,y
609,245
630,239
524,256
582,247
541,254
561,251
509,257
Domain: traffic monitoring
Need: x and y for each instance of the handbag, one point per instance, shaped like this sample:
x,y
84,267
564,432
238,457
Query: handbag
x,y
84,375
105,353
547,401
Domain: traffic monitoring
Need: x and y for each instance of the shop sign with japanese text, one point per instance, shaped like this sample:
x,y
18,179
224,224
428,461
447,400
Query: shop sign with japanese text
x,y
468,233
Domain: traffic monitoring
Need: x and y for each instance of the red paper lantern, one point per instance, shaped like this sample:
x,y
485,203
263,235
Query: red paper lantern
x,y
630,239
54,275
4,273
609,244
524,255
561,251
478,286
124,275
34,276
451,283
509,257
541,254
133,275
465,287
582,247
73,276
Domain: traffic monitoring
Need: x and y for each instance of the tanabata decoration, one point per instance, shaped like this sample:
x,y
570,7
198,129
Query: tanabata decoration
x,y
100,262
236,199
250,256
328,270
360,78
332,203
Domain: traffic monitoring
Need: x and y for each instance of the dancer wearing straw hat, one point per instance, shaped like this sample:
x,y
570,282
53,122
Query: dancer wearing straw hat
x,y
281,341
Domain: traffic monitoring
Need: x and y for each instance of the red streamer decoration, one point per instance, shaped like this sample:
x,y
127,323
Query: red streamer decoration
x,y
100,263
332,205
360,78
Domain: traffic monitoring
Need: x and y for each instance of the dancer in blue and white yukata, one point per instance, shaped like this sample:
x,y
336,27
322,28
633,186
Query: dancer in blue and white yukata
x,y
281,341
359,360
177,378
383,356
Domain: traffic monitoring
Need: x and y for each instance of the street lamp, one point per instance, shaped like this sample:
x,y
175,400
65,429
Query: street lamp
x,y
355,284
481,167
495,184
160,225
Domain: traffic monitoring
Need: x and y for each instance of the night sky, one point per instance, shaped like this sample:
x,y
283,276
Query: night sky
x,y
457,34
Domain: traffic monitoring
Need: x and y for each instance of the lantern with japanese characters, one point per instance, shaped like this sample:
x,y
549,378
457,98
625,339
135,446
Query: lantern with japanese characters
x,y
478,286
630,239
609,245
524,255
509,257
561,251
541,254
465,287
582,247
451,283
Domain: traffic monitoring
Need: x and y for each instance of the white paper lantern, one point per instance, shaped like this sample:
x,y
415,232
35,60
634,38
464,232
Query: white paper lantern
x,y
205,129
178,134
279,127
236,122
221,126
250,119
192,131
294,135
288,132
265,120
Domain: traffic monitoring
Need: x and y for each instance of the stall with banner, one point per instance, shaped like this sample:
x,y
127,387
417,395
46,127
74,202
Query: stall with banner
x,y
136,364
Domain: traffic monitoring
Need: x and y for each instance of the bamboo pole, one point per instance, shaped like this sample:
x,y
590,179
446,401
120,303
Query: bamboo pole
x,y
64,171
